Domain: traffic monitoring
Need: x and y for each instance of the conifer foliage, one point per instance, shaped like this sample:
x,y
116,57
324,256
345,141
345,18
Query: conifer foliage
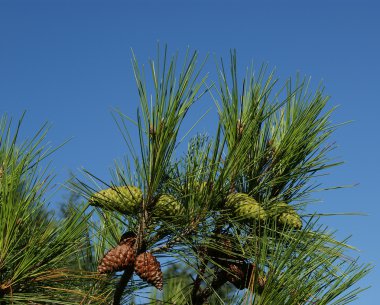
x,y
230,209
38,253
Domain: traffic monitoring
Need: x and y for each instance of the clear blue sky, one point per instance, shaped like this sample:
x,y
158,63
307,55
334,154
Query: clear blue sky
x,y
68,63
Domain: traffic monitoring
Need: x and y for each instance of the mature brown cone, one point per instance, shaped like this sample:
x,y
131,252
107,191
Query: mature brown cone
x,y
238,275
118,258
148,268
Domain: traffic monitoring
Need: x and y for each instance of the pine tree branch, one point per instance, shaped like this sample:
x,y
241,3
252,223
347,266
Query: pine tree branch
x,y
127,275
198,280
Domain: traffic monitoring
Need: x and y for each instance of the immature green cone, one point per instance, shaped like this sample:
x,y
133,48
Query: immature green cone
x,y
148,268
167,206
286,216
292,220
245,207
234,199
278,208
124,199
117,259
248,211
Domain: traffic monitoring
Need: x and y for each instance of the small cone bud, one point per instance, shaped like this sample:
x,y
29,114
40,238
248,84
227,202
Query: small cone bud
x,y
117,259
202,186
261,281
235,275
152,131
125,199
148,268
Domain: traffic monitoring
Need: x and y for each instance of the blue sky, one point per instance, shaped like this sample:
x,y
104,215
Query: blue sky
x,y
68,63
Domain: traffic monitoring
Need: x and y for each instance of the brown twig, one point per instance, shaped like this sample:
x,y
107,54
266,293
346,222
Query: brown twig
x,y
198,280
127,275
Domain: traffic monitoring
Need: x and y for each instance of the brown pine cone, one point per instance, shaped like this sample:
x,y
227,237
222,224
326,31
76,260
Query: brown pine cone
x,y
238,275
117,259
148,268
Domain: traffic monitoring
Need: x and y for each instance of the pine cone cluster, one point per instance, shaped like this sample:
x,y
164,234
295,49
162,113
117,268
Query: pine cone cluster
x,y
245,207
124,199
146,266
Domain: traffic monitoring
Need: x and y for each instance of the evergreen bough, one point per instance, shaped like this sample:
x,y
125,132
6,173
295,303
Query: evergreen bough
x,y
230,210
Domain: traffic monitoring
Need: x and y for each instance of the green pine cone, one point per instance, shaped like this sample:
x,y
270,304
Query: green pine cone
x,y
292,220
245,207
234,200
278,208
286,215
247,210
167,206
124,199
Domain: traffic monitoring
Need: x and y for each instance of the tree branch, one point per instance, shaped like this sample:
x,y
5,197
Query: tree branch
x,y
122,285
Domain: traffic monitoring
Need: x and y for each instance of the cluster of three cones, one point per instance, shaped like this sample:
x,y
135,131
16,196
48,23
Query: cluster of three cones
x,y
146,266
